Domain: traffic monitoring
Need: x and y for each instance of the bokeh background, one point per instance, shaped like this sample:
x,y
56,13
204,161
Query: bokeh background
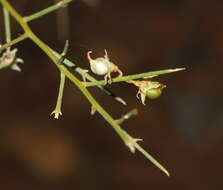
x,y
183,129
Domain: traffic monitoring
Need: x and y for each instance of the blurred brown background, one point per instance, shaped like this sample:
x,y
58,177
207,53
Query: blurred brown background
x,y
183,129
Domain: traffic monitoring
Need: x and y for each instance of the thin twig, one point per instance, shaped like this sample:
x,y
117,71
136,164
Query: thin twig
x,y
133,77
127,116
15,41
57,111
7,25
47,10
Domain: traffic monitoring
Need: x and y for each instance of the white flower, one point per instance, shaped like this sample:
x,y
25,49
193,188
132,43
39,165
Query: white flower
x,y
9,58
103,66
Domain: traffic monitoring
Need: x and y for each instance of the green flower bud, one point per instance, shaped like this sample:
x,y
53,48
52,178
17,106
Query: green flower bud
x,y
149,89
154,93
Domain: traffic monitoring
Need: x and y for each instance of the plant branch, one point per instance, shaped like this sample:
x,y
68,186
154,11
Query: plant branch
x,y
15,41
43,12
128,140
133,77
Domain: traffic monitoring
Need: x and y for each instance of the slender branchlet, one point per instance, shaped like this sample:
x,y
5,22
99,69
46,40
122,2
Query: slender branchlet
x,y
67,67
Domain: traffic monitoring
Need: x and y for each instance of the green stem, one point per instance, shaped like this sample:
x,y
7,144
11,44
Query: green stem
x,y
7,25
127,116
62,82
153,160
57,110
133,77
15,41
46,11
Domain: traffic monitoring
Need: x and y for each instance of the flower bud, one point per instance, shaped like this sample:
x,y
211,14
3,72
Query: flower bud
x,y
149,89
154,93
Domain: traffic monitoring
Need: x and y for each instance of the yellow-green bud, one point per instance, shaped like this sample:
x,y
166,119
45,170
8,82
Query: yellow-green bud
x,y
154,93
